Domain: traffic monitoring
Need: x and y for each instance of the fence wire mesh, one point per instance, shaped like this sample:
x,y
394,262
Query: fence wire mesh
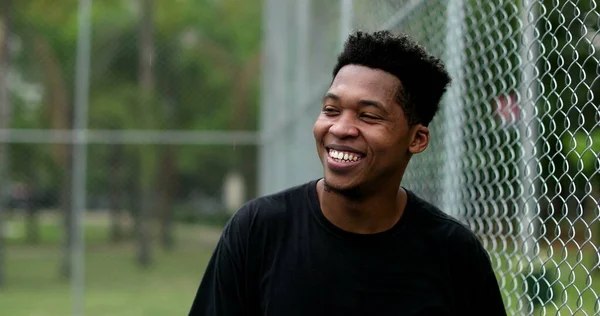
x,y
514,153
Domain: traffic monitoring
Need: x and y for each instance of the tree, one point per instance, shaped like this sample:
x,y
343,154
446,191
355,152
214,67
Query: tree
x,y
186,85
61,112
48,36
115,187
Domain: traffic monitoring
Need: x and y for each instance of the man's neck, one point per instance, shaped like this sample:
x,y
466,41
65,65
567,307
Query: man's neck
x,y
373,213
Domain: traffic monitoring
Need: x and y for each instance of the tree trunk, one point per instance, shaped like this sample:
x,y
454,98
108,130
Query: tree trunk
x,y
167,187
31,208
61,118
5,115
242,100
142,218
115,168
33,225
65,205
146,80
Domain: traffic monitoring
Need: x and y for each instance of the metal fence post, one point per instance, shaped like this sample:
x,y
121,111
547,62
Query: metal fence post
x,y
5,121
78,191
265,157
453,109
528,135
301,94
346,18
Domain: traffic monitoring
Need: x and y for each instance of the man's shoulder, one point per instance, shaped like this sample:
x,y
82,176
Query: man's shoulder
x,y
444,225
273,206
279,200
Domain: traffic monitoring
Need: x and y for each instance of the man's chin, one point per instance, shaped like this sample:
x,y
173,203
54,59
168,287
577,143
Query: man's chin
x,y
343,187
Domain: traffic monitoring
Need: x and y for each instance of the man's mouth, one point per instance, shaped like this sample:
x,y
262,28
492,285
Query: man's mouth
x,y
343,156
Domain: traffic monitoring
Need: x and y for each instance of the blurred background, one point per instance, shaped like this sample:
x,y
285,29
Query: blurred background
x,y
131,130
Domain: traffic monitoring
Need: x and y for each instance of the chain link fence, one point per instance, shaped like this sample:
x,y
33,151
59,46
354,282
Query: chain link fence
x,y
514,151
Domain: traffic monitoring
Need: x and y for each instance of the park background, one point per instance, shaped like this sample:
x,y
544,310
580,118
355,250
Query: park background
x,y
131,130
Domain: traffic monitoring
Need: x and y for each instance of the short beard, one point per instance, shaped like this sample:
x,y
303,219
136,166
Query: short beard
x,y
354,193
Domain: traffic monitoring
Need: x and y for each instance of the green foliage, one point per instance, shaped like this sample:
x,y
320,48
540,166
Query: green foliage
x,y
201,47
582,151
541,288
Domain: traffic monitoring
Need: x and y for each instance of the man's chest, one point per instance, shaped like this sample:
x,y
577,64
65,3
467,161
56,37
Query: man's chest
x,y
333,278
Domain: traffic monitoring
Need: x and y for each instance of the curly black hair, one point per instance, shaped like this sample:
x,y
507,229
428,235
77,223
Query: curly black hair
x,y
423,77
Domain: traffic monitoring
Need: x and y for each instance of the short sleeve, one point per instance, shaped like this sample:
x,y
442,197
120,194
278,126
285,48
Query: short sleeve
x,y
474,277
486,291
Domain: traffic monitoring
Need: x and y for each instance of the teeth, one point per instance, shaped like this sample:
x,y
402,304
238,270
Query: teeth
x,y
343,156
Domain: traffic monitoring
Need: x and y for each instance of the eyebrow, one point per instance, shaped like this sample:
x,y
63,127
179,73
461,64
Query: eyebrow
x,y
330,95
372,103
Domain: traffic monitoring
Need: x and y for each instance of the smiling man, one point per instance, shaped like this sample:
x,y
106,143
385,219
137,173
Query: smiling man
x,y
356,242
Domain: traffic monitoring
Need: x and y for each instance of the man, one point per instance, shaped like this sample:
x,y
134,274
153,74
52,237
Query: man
x,y
356,242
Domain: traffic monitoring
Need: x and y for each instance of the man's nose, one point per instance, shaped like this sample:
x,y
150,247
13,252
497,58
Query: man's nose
x,y
344,126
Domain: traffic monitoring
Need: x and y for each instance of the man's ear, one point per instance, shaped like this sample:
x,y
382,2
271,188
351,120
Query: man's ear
x,y
419,140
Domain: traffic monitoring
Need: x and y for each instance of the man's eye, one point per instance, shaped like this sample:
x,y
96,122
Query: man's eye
x,y
370,117
329,110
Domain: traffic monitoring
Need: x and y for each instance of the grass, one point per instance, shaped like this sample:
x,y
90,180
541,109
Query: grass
x,y
114,283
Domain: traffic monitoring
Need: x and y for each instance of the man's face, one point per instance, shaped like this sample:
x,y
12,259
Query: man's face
x,y
362,135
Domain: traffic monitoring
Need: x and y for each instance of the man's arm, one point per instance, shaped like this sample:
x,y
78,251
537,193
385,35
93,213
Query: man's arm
x,y
222,289
486,296
475,276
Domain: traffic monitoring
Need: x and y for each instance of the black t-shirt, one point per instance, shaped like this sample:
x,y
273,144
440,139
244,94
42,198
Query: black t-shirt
x,y
280,256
